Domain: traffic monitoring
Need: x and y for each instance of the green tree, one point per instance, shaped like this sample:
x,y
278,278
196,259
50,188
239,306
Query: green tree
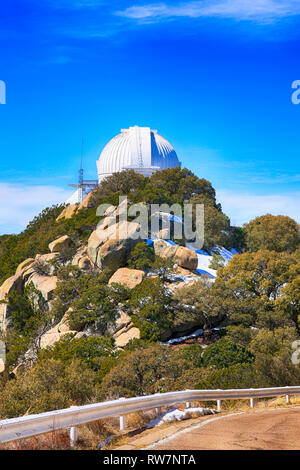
x,y
216,224
197,303
272,343
235,376
217,262
251,285
123,183
141,257
143,372
225,353
151,312
269,232
181,184
92,350
48,385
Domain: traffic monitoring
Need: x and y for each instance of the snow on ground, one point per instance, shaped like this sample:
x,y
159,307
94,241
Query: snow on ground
x,y
176,415
196,333
203,265
205,257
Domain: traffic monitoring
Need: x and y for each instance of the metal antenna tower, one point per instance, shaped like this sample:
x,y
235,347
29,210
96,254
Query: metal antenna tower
x,y
83,186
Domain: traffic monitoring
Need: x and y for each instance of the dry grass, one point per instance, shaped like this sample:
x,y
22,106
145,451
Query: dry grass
x,y
244,405
56,440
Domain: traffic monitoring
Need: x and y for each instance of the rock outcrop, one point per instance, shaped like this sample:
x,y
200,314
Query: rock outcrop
x,y
25,264
163,249
57,332
127,277
123,336
45,284
13,283
186,258
68,212
60,243
81,260
109,246
88,201
73,209
180,254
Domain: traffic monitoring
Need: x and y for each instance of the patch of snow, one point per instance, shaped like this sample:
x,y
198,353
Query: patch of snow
x,y
196,333
204,263
176,415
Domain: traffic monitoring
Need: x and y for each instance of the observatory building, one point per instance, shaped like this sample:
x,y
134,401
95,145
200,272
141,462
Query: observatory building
x,y
138,148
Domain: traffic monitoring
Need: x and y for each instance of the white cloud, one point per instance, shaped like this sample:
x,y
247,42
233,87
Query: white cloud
x,y
242,207
264,11
20,204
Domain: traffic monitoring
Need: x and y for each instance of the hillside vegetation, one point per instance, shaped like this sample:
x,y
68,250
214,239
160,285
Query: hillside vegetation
x,y
88,321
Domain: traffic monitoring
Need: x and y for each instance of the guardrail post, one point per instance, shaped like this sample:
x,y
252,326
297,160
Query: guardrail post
x,y
188,404
73,436
73,433
287,399
251,403
122,423
158,411
219,405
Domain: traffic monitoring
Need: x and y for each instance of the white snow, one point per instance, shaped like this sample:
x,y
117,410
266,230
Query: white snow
x,y
176,415
196,333
204,262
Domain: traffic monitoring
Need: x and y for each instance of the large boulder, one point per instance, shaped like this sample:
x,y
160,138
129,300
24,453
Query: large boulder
x,y
57,332
186,258
68,212
108,247
45,284
123,336
164,233
85,263
82,260
164,249
13,283
43,265
127,277
25,264
47,258
109,211
60,243
88,201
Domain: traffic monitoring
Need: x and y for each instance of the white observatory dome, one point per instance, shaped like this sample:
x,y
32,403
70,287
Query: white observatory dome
x,y
138,148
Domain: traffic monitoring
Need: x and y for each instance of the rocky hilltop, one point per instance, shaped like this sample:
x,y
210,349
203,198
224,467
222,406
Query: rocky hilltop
x,y
87,315
101,252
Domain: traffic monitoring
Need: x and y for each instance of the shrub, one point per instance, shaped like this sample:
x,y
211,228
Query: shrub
x,y
225,353
48,385
141,257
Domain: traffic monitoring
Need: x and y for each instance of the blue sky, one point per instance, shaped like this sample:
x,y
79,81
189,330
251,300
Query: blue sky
x,y
214,77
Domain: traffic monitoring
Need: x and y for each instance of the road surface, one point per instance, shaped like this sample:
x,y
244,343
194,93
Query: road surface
x,y
257,430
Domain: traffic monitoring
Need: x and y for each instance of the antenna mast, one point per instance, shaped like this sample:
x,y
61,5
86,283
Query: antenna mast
x,y
84,186
80,179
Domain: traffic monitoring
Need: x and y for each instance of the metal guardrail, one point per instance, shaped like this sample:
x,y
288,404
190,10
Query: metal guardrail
x,y
32,425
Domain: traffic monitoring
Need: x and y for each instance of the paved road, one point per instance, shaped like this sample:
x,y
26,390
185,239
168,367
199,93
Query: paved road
x,y
257,430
